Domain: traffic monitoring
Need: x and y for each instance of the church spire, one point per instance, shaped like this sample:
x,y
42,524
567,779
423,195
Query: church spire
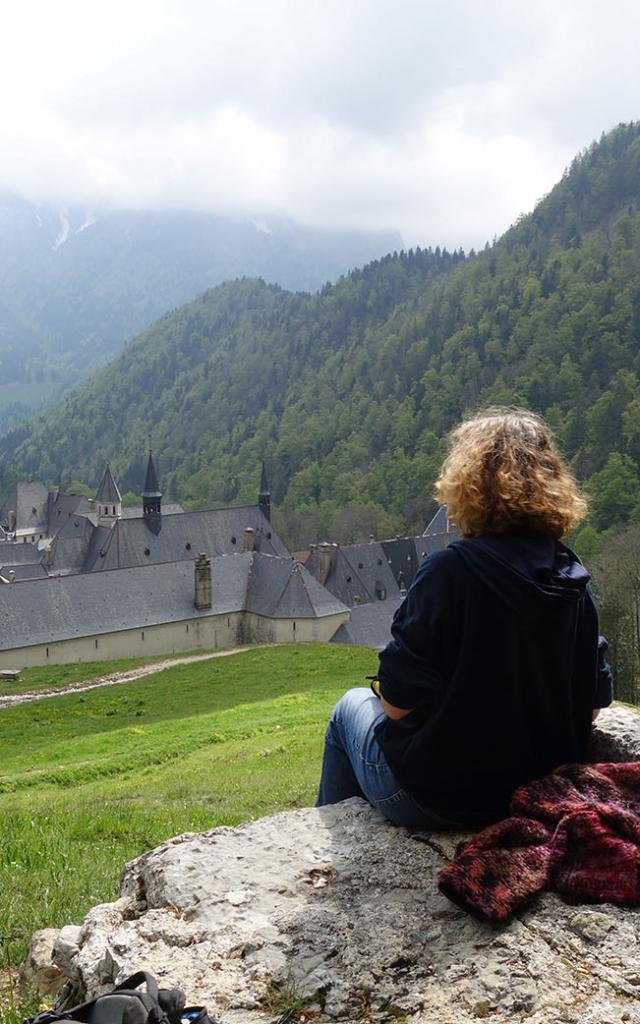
x,y
264,495
108,498
152,498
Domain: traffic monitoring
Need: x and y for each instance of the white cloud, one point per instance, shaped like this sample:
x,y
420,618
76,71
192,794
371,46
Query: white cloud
x,y
445,122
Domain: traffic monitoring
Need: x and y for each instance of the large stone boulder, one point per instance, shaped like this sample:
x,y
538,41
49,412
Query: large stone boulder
x,y
334,914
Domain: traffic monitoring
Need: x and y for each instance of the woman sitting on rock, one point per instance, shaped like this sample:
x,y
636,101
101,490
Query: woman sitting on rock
x,y
495,670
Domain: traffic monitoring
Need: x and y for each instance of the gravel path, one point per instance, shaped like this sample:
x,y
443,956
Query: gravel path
x,y
11,700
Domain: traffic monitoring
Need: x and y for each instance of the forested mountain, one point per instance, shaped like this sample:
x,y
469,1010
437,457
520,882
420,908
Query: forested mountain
x,y
76,284
347,394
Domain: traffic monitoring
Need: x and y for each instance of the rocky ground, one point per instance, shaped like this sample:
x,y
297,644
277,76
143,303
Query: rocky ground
x,y
334,914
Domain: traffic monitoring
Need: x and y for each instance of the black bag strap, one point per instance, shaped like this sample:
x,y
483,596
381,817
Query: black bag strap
x,y
140,977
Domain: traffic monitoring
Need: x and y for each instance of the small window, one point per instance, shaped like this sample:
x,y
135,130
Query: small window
x,y
142,635
379,561
95,644
348,579
360,565
233,540
187,628
147,551
268,534
114,510
188,546
47,652
294,627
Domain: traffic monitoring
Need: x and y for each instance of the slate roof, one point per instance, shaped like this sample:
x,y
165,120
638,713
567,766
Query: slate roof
x,y
355,571
440,523
282,588
61,506
360,572
151,487
25,571
87,604
215,531
29,501
369,625
70,546
170,509
108,492
402,559
16,553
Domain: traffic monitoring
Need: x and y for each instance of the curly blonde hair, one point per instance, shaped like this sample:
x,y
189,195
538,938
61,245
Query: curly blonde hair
x,y
504,474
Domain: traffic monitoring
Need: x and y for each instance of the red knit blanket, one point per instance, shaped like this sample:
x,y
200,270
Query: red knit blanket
x,y
577,831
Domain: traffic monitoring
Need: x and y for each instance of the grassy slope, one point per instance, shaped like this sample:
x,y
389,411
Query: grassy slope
x,y
88,782
50,678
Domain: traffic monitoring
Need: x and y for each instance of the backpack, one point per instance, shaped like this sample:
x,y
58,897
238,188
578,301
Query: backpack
x,y
125,1004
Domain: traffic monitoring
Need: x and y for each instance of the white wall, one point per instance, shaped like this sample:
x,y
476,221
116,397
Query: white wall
x,y
170,638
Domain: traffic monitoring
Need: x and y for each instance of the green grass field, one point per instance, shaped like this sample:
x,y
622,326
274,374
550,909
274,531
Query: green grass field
x,y
89,781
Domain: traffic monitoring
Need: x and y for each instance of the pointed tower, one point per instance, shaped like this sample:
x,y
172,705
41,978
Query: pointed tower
x,y
152,498
108,499
264,495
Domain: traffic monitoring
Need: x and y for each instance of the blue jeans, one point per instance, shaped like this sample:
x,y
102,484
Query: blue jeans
x,y
354,764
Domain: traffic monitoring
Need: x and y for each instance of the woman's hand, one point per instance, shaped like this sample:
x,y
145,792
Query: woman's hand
x,y
393,712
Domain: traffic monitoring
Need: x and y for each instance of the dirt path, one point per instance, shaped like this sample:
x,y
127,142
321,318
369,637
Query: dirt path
x,y
11,700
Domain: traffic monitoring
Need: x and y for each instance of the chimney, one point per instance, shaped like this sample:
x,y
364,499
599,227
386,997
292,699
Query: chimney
x,y
248,538
324,562
203,582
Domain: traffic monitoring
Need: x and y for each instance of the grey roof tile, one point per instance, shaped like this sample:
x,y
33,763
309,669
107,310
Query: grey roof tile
x,y
24,571
213,531
369,625
151,486
440,523
358,573
108,492
16,553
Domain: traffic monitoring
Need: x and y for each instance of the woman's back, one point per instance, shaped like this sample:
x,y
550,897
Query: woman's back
x,y
496,651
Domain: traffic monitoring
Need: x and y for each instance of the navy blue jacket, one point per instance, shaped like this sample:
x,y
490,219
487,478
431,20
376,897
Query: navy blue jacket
x,y
496,651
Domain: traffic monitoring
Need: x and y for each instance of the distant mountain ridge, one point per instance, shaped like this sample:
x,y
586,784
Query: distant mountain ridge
x,y
348,394
77,283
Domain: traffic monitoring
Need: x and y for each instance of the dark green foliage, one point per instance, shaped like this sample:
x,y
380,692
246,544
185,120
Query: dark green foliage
x,y
348,394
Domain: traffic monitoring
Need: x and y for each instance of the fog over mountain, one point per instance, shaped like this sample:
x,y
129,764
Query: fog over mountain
x,y
76,282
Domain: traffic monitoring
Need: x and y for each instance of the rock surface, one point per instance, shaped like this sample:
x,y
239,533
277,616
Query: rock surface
x,y
337,909
38,972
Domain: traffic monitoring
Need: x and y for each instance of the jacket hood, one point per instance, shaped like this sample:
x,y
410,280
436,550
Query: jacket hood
x,y
525,567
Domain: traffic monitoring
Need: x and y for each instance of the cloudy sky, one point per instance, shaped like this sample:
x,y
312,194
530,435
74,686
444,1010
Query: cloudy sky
x,y
444,119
